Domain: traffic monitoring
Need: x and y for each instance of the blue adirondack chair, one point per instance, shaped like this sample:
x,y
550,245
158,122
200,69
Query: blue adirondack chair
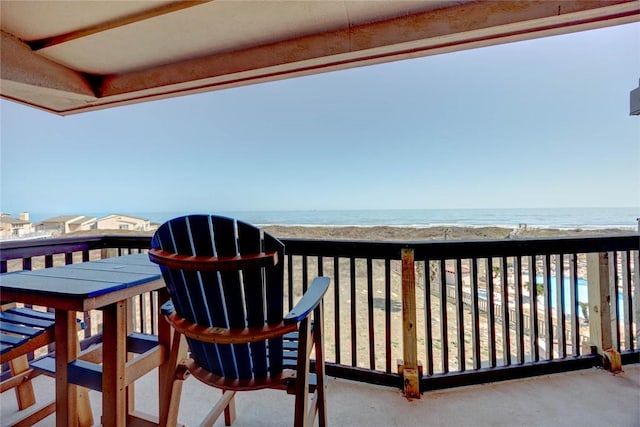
x,y
226,283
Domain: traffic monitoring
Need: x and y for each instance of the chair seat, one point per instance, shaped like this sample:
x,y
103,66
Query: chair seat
x,y
23,330
286,379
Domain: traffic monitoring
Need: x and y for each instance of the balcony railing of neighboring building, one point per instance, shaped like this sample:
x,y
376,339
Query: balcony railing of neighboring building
x,y
438,314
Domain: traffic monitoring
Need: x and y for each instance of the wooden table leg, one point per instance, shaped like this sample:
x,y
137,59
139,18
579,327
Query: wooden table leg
x,y
114,338
131,392
66,351
169,389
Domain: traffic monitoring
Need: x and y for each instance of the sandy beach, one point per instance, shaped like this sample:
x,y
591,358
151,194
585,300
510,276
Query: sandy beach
x,y
427,233
405,233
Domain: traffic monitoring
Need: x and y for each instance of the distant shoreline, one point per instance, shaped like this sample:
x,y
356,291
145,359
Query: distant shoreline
x,y
595,228
604,218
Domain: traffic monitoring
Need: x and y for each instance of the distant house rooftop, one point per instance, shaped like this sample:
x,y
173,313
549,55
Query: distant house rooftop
x,y
62,218
66,223
125,216
82,219
8,220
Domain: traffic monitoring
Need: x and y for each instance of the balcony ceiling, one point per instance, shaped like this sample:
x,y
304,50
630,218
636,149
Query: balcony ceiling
x,y
72,56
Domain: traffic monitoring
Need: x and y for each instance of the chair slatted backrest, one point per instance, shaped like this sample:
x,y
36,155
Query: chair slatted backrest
x,y
252,297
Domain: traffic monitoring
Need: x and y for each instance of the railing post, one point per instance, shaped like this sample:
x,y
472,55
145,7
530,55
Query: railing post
x,y
108,253
408,367
636,295
599,296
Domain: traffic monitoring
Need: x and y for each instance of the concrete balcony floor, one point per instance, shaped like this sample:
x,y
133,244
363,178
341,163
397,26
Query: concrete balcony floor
x,y
582,398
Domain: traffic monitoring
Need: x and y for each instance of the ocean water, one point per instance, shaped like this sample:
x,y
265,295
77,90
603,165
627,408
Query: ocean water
x,y
563,218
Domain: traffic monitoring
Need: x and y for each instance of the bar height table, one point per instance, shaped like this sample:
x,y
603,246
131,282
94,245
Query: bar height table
x,y
106,285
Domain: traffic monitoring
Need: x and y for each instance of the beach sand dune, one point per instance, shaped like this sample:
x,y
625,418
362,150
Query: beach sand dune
x,y
426,233
377,233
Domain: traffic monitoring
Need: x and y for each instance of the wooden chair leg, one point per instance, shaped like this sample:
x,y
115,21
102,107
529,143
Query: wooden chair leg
x,y
318,338
227,400
25,395
302,375
173,405
85,413
230,412
24,392
172,376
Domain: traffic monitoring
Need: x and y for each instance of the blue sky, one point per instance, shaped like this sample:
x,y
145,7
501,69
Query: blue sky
x,y
541,123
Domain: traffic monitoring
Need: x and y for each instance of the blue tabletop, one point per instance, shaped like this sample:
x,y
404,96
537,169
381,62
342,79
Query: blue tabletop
x,y
87,279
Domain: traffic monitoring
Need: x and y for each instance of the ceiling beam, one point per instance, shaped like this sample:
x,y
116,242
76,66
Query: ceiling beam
x,y
115,23
28,77
460,27
23,71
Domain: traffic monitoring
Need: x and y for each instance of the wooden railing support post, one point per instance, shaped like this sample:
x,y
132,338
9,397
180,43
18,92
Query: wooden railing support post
x,y
600,335
408,367
636,293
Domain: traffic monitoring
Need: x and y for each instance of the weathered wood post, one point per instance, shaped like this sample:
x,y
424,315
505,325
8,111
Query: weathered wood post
x,y
636,294
601,321
408,367
108,253
600,335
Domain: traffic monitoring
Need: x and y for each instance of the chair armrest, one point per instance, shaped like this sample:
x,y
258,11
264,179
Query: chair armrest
x,y
309,300
307,303
167,308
